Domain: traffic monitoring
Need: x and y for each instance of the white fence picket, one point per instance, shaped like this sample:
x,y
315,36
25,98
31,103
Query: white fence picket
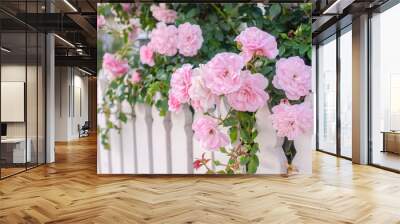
x,y
303,144
271,156
181,142
143,139
160,143
303,159
103,156
151,144
128,140
117,153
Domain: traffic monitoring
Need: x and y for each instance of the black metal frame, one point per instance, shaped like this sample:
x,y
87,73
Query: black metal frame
x,y
44,80
338,153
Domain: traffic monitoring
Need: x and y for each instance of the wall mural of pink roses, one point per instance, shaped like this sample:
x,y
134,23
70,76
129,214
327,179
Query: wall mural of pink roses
x,y
237,58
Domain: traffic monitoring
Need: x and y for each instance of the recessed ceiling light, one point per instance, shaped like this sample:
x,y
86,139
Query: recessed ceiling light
x,y
70,5
84,71
5,50
337,7
64,40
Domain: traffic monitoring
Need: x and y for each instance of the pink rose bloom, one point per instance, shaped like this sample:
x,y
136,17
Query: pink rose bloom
x,y
201,98
173,103
101,22
180,83
190,39
293,76
197,164
222,73
254,41
207,133
136,77
116,67
163,14
126,7
136,28
251,96
292,120
146,55
164,39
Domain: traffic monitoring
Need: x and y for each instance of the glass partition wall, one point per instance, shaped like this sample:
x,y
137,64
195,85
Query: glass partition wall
x,y
22,77
327,95
345,61
385,90
334,94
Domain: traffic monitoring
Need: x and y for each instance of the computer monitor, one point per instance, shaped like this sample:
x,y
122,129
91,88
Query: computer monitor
x,y
3,129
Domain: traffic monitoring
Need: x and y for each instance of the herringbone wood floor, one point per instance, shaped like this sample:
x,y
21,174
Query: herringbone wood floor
x,y
69,191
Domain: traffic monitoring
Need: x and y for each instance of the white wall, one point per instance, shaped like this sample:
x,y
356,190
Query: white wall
x,y
71,94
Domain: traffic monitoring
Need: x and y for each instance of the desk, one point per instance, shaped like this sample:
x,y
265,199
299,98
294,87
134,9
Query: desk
x,y
391,141
15,148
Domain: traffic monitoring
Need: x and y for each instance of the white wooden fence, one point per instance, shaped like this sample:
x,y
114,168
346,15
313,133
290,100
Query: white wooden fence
x,y
150,144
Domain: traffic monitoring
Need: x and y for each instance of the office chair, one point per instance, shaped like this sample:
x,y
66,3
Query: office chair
x,y
84,130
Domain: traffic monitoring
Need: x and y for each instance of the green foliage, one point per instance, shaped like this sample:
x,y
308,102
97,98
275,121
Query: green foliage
x,y
289,149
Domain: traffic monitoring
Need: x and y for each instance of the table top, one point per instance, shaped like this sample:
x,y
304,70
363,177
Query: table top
x,y
13,140
391,132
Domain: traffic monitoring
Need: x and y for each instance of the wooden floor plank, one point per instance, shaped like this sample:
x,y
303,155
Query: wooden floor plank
x,y
70,191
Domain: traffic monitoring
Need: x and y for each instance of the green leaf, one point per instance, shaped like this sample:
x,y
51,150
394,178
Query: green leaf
x,y
193,12
289,149
253,165
309,54
275,10
230,121
223,150
244,160
219,36
217,163
254,149
233,132
123,117
229,171
245,135
210,172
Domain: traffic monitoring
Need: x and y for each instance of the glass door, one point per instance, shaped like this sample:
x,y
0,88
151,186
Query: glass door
x,y
22,89
385,90
14,153
346,92
327,96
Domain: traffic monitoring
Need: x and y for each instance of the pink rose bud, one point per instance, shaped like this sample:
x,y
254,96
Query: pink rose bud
x,y
136,77
146,55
